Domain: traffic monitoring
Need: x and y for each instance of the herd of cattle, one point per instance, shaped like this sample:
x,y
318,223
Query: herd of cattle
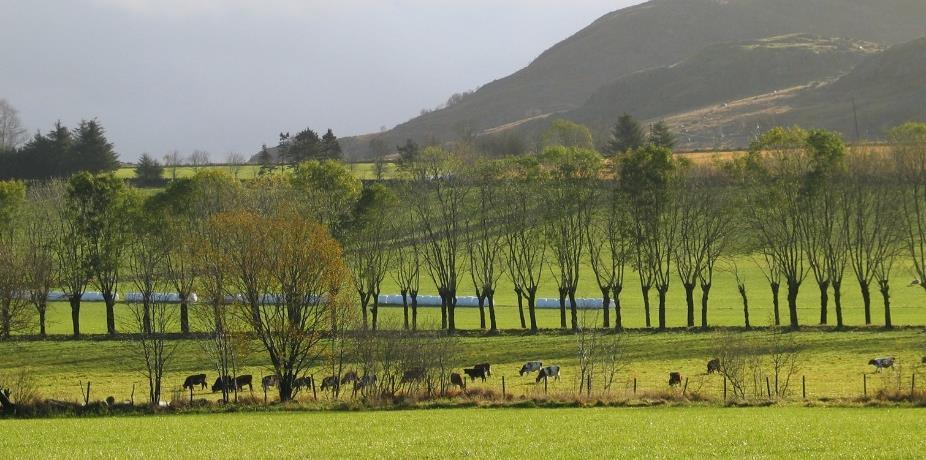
x,y
480,371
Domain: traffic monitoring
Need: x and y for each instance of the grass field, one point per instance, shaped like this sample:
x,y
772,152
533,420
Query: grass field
x,y
833,362
362,171
508,433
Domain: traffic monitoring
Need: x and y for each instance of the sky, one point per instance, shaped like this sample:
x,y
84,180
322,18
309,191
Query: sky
x,y
229,75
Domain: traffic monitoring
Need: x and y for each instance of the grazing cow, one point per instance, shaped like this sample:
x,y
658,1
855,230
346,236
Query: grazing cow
x,y
548,372
476,373
331,382
413,375
532,366
225,383
882,363
675,379
486,366
364,382
269,382
713,366
458,380
350,377
302,382
244,381
195,380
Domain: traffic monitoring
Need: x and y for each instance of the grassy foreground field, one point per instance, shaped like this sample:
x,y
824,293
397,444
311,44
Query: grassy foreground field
x,y
832,362
508,433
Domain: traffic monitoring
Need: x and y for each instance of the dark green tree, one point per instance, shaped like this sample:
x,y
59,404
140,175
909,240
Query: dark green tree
x,y
661,136
149,171
91,150
626,135
265,159
331,148
408,153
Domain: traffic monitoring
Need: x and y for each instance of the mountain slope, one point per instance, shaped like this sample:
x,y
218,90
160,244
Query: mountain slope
x,y
654,34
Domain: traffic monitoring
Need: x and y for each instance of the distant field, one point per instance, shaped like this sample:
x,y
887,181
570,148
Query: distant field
x,y
486,433
363,171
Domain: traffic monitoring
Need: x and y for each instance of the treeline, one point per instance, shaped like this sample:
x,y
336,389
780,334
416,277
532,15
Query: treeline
x,y
60,153
800,203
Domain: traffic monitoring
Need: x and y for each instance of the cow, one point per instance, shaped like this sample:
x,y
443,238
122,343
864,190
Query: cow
x,y
244,381
413,375
364,382
713,366
331,382
476,372
882,363
349,377
269,381
458,380
302,382
548,372
675,379
224,383
532,366
924,359
486,366
195,380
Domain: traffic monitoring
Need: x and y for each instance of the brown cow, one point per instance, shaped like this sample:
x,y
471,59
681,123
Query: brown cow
x,y
713,366
458,380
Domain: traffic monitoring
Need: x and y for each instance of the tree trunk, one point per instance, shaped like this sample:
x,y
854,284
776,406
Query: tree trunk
x,y
661,291
493,325
689,302
364,302
4,319
793,287
606,305
286,389
75,314
776,289
705,294
742,289
885,286
837,301
405,325
574,309
184,314
618,317
375,311
443,308
532,307
520,295
824,302
646,314
42,311
482,310
562,308
865,286
110,301
414,310
451,312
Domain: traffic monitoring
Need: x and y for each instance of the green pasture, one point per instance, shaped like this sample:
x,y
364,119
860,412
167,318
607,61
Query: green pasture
x,y
832,362
491,433
363,171
908,304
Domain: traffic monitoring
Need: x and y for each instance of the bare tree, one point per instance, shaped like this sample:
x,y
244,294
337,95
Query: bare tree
x,y
12,133
406,273
369,251
151,323
41,274
485,242
173,160
909,152
524,237
235,161
609,246
199,158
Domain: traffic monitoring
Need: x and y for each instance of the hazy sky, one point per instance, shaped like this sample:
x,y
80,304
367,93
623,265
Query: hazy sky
x,y
228,75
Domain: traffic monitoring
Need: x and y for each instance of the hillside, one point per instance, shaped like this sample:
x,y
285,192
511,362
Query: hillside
x,y
655,34
886,89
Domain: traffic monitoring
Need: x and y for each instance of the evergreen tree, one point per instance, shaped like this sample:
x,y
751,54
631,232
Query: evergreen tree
x,y
91,150
331,148
626,135
661,136
408,153
149,171
265,159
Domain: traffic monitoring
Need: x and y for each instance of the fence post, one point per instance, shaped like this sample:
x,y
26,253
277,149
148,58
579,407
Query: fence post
x,y
191,394
132,397
545,380
913,386
685,388
265,390
725,389
312,381
589,385
504,393
768,387
635,385
804,386
865,385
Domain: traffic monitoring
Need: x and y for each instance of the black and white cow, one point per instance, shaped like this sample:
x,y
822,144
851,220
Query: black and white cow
x,y
349,377
331,383
675,379
882,363
476,373
532,366
364,382
269,381
548,373
485,366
